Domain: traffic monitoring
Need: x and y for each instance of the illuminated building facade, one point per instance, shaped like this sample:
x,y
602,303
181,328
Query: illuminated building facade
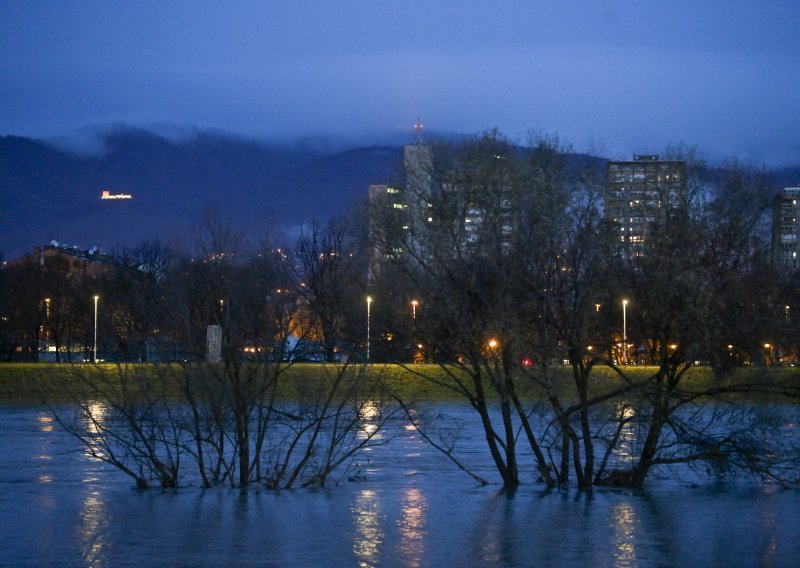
x,y
785,228
398,217
637,193
108,195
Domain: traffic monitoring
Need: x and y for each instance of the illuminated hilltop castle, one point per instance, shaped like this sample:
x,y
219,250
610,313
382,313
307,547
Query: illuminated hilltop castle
x,y
108,195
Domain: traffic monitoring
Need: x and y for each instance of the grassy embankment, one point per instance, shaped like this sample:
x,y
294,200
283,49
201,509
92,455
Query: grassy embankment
x,y
26,383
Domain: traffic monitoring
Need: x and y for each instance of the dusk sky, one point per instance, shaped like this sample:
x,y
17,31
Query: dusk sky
x,y
611,77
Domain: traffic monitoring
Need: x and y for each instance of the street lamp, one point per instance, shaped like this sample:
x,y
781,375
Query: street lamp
x,y
46,319
369,304
625,332
94,351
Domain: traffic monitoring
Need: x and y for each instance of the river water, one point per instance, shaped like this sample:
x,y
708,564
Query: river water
x,y
58,507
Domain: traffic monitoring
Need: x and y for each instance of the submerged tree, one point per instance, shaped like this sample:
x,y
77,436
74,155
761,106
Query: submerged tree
x,y
238,421
518,275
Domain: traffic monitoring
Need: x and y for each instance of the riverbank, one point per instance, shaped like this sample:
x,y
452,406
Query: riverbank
x,y
36,382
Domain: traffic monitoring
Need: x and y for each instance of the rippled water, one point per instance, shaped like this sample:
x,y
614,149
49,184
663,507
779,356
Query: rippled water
x,y
58,507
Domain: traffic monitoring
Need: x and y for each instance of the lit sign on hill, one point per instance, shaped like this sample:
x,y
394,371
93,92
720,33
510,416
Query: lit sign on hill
x,y
108,195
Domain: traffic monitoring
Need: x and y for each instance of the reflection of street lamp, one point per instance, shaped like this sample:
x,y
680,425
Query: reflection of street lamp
x,y
625,332
94,351
369,304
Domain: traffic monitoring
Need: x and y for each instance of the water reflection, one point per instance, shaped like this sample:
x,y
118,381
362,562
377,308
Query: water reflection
x,y
625,413
493,537
45,422
93,529
769,521
624,523
412,526
371,411
94,415
368,522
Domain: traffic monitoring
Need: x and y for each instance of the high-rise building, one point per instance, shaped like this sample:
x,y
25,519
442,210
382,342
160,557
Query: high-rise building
x,y
785,228
388,225
418,162
403,222
637,193
399,216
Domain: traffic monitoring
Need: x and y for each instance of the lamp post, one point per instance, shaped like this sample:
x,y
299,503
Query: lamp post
x,y
414,304
94,350
46,319
625,332
369,305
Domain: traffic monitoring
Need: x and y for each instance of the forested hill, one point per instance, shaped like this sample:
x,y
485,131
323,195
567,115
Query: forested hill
x,y
49,193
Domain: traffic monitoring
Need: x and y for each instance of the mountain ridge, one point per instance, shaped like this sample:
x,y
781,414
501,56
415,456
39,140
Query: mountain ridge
x,y
51,193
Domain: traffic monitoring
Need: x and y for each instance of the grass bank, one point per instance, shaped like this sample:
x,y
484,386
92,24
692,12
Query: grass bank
x,y
26,383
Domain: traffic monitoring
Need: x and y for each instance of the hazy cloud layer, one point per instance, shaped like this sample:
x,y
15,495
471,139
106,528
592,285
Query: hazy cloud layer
x,y
622,76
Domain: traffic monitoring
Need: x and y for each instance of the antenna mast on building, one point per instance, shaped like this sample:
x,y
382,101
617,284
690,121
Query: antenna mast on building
x,y
418,126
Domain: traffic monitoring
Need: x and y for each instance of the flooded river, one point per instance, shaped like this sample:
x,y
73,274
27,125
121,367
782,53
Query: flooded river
x,y
410,507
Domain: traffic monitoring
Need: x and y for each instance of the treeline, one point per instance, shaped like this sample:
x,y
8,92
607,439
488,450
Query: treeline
x,y
520,232
156,300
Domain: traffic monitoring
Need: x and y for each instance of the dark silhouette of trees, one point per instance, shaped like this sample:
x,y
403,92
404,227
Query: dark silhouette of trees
x,y
238,420
518,275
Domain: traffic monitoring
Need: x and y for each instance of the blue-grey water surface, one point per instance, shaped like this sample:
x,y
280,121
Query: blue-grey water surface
x,y
58,507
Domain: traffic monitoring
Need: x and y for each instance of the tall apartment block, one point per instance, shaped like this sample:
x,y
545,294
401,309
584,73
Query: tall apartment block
x,y
418,162
399,217
388,225
637,193
785,228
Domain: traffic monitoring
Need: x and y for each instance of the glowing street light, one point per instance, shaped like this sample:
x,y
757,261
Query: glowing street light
x,y
625,331
46,318
369,305
414,304
94,350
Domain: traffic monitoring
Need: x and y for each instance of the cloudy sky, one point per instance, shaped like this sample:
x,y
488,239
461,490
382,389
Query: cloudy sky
x,y
614,77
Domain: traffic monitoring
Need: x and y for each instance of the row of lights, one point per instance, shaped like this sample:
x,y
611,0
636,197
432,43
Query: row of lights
x,y
493,343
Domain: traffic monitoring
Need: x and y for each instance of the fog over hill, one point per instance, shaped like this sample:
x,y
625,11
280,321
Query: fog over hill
x,y
49,192
52,192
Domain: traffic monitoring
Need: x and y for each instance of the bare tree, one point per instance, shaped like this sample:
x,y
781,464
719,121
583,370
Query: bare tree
x,y
329,282
239,421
